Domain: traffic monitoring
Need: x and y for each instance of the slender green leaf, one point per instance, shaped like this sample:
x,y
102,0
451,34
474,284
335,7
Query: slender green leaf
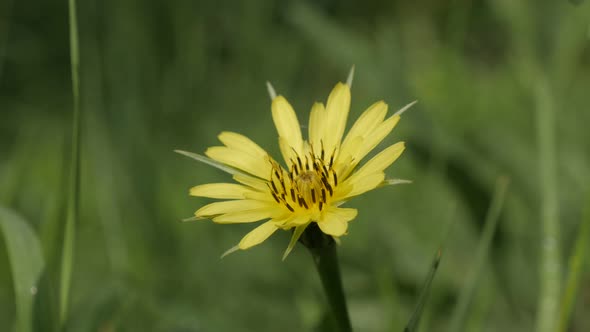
x,y
576,265
548,304
74,181
417,314
491,223
26,260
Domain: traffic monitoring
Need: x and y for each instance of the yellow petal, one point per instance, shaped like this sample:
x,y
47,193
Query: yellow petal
x,y
218,208
363,128
362,185
295,220
337,109
220,190
242,143
381,161
286,151
257,166
258,235
287,125
251,181
245,216
366,123
259,196
376,136
335,220
316,125
347,159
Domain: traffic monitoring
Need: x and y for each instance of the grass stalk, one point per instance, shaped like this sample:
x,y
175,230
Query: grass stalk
x,y
491,222
67,258
575,268
414,321
550,267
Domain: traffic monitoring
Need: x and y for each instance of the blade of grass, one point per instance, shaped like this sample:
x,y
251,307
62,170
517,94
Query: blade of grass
x,y
550,268
413,323
415,319
576,265
490,225
74,181
26,262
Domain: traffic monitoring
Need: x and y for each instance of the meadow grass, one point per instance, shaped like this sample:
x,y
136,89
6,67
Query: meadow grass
x,y
93,218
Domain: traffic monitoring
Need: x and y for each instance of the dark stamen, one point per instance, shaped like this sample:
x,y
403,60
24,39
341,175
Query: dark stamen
x,y
313,195
283,185
325,170
304,203
325,182
275,197
289,207
335,179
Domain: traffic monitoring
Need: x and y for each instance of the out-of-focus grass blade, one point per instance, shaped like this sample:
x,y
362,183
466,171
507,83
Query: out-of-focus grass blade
x,y
74,181
491,223
551,264
576,264
26,260
415,319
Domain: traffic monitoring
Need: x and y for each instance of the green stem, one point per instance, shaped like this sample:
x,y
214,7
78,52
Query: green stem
x,y
550,287
74,181
325,258
575,270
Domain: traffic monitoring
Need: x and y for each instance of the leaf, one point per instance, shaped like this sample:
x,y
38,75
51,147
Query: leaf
x,y
575,269
26,260
73,193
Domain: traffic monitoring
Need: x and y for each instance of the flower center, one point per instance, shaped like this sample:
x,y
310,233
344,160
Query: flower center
x,y
309,184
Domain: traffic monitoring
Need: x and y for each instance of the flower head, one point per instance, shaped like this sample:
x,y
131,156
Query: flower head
x,y
318,175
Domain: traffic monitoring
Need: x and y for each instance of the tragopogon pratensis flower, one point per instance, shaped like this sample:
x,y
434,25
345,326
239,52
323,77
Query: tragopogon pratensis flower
x,y
318,176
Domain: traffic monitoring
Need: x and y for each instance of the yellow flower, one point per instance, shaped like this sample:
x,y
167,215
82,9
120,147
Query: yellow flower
x,y
320,174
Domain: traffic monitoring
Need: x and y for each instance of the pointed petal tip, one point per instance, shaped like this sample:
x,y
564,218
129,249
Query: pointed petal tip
x,y
405,108
287,252
271,91
230,251
350,77
193,218
392,182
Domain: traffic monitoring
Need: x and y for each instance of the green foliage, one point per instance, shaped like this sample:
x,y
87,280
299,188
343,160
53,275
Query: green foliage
x,y
159,76
26,263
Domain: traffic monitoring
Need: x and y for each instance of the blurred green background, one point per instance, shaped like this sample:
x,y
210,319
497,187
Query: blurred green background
x,y
157,76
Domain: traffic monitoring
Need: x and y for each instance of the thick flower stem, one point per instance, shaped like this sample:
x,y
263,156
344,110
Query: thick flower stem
x,y
325,258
